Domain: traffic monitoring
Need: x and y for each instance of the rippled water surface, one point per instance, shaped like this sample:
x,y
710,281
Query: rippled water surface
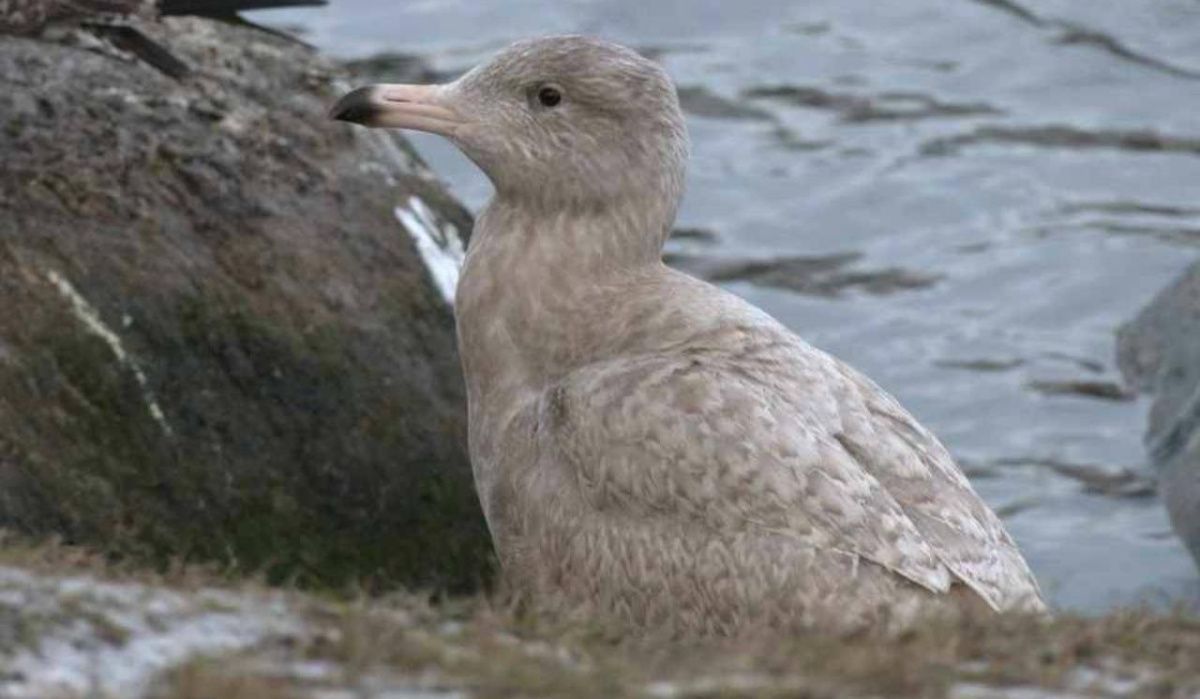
x,y
963,198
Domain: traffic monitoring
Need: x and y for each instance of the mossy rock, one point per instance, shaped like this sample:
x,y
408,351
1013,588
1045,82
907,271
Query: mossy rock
x,y
219,343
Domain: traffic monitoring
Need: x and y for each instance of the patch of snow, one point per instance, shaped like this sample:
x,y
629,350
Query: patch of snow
x,y
388,694
733,684
90,317
440,246
320,679
112,639
1081,682
972,690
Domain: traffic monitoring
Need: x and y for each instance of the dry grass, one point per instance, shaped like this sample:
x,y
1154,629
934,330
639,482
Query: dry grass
x,y
488,648
207,679
493,651
51,555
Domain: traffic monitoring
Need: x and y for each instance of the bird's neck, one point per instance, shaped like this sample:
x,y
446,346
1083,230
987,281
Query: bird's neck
x,y
539,287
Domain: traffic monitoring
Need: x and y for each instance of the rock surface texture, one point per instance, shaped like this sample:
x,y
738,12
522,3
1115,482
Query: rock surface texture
x,y
28,16
1159,352
225,332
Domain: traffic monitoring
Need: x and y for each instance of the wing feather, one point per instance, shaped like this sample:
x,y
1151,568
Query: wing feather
x,y
664,439
913,465
781,439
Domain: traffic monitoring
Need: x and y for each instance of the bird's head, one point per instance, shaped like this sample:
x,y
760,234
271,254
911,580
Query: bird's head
x,y
560,121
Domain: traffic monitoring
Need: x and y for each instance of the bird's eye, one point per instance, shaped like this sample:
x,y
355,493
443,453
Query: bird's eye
x,y
549,96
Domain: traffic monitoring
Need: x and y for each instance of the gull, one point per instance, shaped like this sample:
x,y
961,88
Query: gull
x,y
648,447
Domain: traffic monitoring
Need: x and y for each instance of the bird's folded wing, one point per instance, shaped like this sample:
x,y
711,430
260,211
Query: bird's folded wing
x,y
666,437
712,442
918,471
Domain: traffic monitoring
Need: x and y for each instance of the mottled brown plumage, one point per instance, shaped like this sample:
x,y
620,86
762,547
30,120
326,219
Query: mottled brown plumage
x,y
646,445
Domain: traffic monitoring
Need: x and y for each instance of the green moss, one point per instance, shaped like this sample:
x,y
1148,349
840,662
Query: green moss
x,y
281,457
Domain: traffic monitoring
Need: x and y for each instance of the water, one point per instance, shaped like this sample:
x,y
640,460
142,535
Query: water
x,y
1034,167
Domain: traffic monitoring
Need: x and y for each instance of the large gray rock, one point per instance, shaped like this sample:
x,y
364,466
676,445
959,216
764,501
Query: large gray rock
x,y
1159,352
224,332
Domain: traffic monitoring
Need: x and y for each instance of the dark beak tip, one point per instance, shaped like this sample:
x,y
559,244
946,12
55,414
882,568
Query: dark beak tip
x,y
356,107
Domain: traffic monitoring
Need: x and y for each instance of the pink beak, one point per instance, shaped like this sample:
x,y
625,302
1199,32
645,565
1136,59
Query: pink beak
x,y
420,107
